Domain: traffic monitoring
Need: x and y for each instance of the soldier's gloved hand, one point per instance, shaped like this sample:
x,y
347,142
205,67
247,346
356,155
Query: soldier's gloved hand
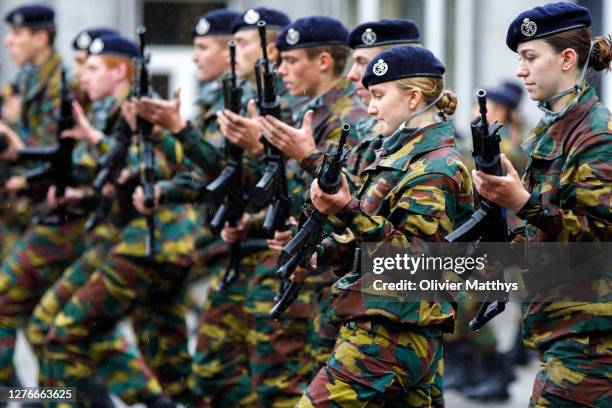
x,y
294,143
238,233
281,238
83,129
241,131
507,191
138,199
300,274
165,114
330,204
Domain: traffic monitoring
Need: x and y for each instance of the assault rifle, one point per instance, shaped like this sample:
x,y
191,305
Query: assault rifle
x,y
271,190
144,129
111,166
300,249
229,183
488,222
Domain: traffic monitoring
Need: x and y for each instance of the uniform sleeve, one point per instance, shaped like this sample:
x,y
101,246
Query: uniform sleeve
x,y
419,214
586,186
199,150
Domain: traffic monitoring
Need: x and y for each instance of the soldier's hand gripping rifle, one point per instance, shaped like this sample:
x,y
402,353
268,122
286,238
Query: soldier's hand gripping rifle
x,y
144,129
300,249
59,159
111,166
488,223
229,183
271,190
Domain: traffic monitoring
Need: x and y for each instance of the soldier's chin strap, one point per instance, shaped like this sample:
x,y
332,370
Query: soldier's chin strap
x,y
544,105
406,121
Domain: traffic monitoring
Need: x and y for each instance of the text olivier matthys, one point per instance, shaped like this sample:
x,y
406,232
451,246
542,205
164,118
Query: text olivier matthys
x,y
404,263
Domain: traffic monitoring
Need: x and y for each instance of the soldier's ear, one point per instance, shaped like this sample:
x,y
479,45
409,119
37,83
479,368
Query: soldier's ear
x,y
273,53
325,62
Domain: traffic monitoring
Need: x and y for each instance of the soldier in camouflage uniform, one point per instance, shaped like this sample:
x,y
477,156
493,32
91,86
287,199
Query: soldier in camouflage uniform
x,y
415,192
564,197
280,372
108,85
126,275
40,255
220,370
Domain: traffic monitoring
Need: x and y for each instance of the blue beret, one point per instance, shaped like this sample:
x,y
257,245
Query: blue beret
x,y
273,18
83,39
509,94
311,32
216,22
31,16
114,45
383,32
400,62
546,20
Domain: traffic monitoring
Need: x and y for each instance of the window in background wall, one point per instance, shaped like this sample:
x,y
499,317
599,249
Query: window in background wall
x,y
170,21
161,84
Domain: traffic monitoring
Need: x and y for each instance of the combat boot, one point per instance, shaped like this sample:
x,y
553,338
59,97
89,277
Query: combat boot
x,y
494,386
98,394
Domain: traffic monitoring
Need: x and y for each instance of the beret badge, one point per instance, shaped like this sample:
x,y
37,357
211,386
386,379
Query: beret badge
x,y
251,16
380,68
528,28
368,37
84,41
202,27
96,46
293,36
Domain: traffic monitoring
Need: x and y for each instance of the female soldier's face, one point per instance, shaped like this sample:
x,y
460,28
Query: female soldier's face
x,y
540,68
390,105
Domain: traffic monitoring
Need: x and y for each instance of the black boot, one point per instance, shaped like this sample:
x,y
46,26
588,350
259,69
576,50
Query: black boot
x,y
98,394
161,401
494,386
459,359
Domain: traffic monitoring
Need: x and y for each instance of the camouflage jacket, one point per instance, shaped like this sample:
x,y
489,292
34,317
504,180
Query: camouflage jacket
x,y
339,105
364,153
175,224
416,191
40,101
569,175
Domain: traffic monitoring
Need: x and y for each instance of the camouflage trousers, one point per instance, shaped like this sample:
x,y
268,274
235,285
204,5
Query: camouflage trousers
x,y
244,358
575,372
378,364
124,372
36,262
280,352
154,293
220,371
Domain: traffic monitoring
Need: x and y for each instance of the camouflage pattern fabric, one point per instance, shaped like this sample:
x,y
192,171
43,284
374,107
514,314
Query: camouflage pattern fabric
x,y
419,182
119,286
40,101
125,372
569,177
378,364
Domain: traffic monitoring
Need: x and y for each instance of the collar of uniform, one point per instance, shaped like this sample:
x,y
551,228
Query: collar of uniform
x,y
546,142
210,92
343,86
48,68
410,143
